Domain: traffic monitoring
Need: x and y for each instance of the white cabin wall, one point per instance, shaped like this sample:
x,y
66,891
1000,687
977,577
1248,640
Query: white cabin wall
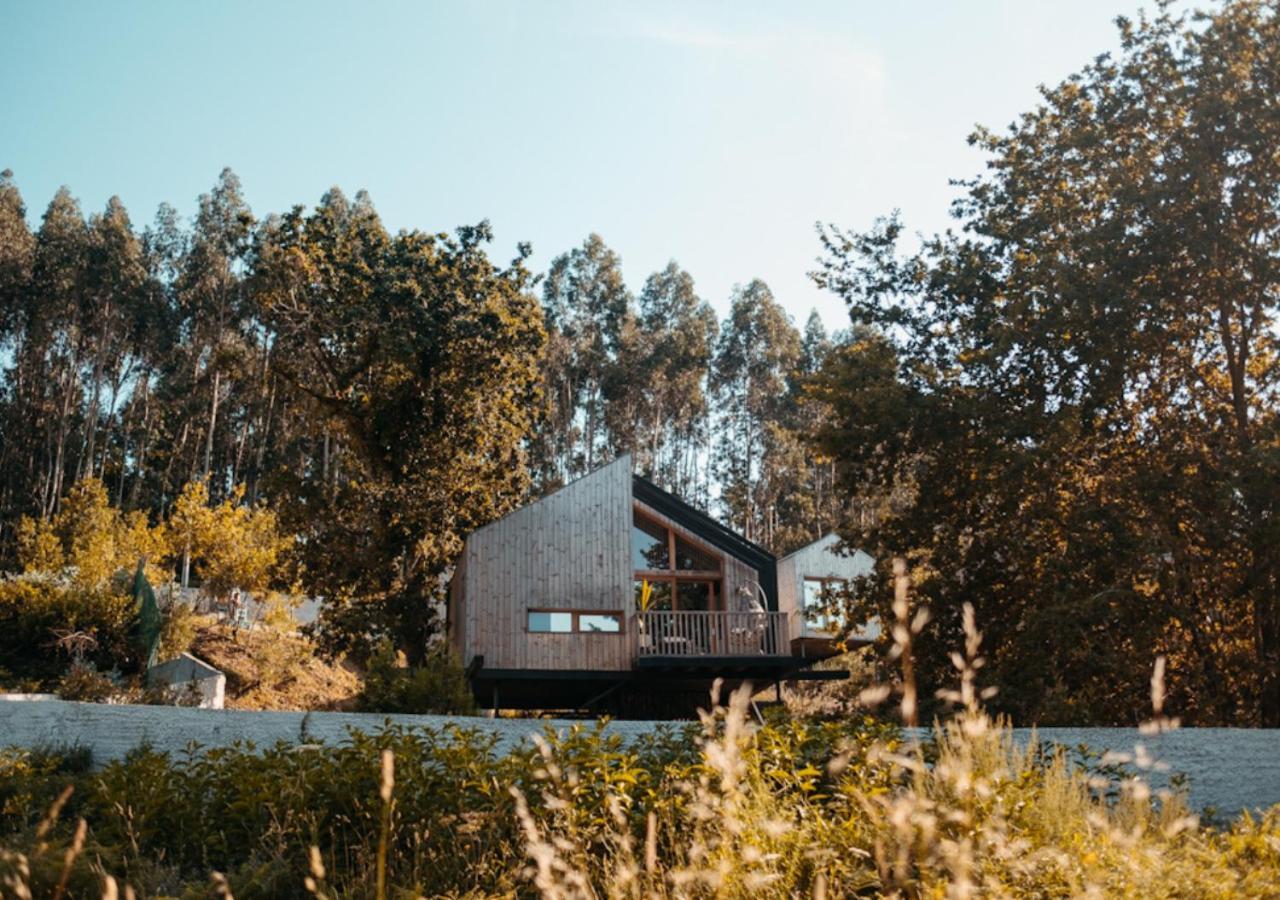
x,y
569,550
788,601
818,560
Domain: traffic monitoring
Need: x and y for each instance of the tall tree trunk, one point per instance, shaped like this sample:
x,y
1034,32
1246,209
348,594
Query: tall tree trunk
x,y
591,427
213,423
89,446
64,429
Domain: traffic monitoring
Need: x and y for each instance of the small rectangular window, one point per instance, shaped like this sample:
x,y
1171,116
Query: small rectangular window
x,y
541,622
608,623
565,621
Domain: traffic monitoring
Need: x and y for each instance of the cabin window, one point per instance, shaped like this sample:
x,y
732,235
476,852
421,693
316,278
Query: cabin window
x,y
649,546
566,621
546,622
695,595
659,594
818,593
691,558
680,573
607,623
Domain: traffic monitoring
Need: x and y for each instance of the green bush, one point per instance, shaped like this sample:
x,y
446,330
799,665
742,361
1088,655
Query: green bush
x,y
794,808
254,813
440,686
85,683
36,609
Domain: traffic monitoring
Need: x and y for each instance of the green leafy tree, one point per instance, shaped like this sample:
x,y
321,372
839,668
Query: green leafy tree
x,y
91,541
1070,404
755,360
418,359
232,544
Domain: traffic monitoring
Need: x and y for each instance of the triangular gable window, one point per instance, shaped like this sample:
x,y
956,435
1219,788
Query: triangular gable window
x,y
691,583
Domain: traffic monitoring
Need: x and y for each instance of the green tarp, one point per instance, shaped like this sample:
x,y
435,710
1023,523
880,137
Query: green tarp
x,y
149,618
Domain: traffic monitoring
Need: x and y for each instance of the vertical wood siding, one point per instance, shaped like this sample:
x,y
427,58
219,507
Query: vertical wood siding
x,y
569,550
817,560
457,604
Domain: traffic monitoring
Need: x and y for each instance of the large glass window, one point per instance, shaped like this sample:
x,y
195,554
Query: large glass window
x,y
694,559
695,594
659,594
680,574
649,546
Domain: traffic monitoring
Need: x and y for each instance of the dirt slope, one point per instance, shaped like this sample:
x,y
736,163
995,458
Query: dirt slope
x,y
267,669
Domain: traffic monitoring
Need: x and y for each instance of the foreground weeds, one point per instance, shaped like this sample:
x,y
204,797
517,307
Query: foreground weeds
x,y
726,808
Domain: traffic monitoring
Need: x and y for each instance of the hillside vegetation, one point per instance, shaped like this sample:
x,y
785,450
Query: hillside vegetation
x,y
271,669
726,810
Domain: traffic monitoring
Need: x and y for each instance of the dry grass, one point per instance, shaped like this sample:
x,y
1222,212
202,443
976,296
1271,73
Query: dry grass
x,y
271,669
751,813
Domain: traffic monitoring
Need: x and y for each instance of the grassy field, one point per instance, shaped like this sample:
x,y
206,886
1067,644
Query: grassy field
x,y
798,807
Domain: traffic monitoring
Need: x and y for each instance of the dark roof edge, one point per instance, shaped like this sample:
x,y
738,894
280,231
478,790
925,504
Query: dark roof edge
x,y
700,523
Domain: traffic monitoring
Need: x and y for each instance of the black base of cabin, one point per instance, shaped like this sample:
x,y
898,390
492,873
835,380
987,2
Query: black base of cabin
x,y
660,688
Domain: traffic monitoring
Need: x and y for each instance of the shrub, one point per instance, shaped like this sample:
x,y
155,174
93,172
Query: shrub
x,y
89,540
795,808
178,633
35,609
726,810
440,686
85,683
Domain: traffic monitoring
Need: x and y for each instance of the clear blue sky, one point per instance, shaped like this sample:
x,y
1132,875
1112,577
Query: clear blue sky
x,y
712,133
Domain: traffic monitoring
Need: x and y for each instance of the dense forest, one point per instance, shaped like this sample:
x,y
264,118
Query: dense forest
x,y
1065,412
382,394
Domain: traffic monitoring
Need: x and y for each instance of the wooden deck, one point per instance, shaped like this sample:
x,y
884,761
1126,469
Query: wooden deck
x,y
698,635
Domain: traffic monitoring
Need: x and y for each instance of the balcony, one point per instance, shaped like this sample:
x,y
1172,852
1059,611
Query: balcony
x,y
689,635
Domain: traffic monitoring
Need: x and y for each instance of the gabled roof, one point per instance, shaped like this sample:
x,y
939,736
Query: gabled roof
x,y
711,531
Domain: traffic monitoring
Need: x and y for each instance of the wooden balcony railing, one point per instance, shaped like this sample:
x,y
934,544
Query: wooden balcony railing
x,y
690,633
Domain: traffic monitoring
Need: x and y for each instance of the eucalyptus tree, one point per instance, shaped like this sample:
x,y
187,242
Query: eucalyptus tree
x,y
216,331
56,343
116,321
586,302
681,329
756,354
17,445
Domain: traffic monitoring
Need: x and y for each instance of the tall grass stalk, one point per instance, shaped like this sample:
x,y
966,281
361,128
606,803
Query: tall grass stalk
x,y
384,792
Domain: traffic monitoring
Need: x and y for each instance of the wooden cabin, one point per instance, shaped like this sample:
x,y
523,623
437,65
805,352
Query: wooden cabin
x,y
613,595
804,578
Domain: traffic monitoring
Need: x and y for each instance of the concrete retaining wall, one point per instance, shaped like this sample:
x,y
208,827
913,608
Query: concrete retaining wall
x,y
111,731
188,677
1229,769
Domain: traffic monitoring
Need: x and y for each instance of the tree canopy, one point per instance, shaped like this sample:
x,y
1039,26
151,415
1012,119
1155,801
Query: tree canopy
x,y
1068,406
